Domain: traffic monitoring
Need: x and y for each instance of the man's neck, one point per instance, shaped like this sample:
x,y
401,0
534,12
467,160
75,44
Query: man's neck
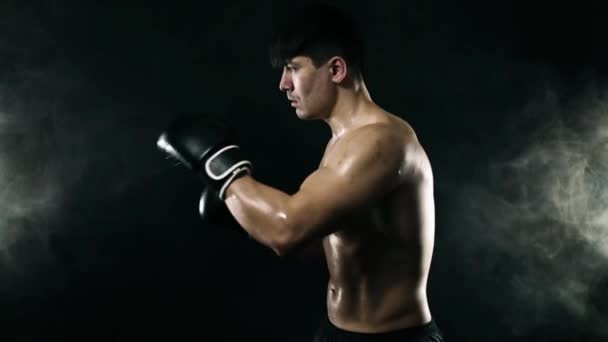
x,y
352,109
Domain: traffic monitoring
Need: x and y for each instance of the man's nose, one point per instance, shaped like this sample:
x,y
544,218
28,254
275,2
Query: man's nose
x,y
285,83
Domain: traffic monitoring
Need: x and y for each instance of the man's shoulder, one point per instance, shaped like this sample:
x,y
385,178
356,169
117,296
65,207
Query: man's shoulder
x,y
392,128
384,137
371,144
398,138
374,134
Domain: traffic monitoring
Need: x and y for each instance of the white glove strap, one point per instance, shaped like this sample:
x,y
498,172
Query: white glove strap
x,y
237,172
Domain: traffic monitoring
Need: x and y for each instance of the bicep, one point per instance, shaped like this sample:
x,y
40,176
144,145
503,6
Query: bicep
x,y
364,172
359,177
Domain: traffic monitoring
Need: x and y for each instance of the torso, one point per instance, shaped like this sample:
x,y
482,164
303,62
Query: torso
x,y
379,262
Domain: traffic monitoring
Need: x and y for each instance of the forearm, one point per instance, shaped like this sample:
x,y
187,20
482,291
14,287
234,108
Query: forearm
x,y
260,210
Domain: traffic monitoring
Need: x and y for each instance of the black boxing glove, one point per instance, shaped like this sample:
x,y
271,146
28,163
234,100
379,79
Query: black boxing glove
x,y
207,147
215,212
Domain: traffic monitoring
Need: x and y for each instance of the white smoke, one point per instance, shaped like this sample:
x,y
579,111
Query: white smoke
x,y
37,164
31,190
545,211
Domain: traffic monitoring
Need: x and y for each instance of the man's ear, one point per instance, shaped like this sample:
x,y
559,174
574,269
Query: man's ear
x,y
337,68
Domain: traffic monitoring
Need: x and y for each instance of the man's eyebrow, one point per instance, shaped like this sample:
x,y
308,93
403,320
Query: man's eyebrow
x,y
292,64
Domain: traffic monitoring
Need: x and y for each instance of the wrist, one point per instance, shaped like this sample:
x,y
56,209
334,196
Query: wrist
x,y
237,174
233,188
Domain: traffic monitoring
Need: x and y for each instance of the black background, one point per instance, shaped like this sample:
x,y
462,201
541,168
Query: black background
x,y
100,235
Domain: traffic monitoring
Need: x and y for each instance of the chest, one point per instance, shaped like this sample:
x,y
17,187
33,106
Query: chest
x,y
334,150
327,154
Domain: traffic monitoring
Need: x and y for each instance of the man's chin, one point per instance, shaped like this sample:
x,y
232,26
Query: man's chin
x,y
303,115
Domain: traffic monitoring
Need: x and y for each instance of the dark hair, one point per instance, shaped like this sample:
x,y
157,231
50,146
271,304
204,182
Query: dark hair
x,y
318,31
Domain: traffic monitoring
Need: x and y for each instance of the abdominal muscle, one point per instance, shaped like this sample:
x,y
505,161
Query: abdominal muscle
x,y
377,279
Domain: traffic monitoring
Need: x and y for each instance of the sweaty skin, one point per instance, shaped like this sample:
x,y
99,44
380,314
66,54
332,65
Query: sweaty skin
x,y
379,263
371,203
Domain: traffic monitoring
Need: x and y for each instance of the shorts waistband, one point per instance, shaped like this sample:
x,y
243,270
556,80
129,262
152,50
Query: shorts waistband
x,y
425,329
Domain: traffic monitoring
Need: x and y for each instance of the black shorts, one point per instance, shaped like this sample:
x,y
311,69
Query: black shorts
x,y
429,332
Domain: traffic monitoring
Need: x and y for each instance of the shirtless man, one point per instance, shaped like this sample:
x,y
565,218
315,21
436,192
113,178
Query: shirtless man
x,y
370,203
